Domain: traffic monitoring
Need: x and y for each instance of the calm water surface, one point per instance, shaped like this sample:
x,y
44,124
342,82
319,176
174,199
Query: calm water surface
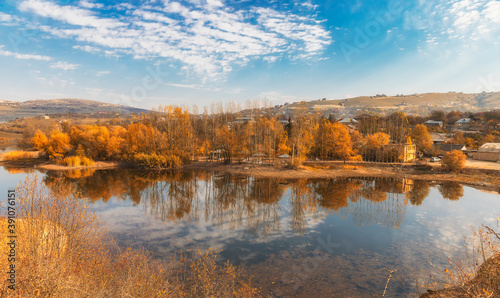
x,y
333,237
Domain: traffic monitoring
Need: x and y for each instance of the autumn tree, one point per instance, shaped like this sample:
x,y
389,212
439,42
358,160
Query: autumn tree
x,y
39,140
397,127
302,135
453,161
333,141
58,145
422,138
373,147
368,125
438,115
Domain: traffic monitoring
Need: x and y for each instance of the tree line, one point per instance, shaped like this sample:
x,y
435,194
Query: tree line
x,y
171,136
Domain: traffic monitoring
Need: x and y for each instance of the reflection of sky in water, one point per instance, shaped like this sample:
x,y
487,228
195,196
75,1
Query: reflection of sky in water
x,y
433,230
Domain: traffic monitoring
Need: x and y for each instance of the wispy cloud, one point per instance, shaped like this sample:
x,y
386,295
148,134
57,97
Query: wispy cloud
x,y
462,23
86,48
69,14
5,18
208,36
23,56
64,65
90,4
103,73
189,86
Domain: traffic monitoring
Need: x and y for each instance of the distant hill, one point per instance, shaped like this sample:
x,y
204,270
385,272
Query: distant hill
x,y
32,108
414,102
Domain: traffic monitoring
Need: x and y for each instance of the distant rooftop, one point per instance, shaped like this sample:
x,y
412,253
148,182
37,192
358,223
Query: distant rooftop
x,y
490,147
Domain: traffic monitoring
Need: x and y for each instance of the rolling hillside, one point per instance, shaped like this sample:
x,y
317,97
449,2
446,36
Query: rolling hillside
x,y
415,102
31,108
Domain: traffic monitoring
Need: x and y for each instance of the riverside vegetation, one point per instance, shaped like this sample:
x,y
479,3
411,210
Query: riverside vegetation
x,y
66,251
172,136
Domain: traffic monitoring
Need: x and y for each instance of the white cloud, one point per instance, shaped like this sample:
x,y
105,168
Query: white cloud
x,y
89,4
89,49
23,56
70,14
103,73
6,17
461,22
64,65
309,5
208,36
189,86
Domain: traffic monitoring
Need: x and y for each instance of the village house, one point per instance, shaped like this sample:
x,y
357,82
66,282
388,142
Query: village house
x,y
349,122
406,152
449,147
488,152
433,123
464,122
439,138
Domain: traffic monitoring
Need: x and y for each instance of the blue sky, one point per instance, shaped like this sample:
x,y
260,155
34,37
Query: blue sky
x,y
151,52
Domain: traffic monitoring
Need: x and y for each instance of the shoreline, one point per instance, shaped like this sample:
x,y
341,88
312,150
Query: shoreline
x,y
487,179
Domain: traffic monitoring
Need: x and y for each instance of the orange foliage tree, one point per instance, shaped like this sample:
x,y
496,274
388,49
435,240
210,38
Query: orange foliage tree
x,y
333,141
453,161
39,140
422,138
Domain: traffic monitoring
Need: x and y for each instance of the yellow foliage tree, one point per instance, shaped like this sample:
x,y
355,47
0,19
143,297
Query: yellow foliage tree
x,y
39,140
422,138
58,144
333,141
377,140
453,161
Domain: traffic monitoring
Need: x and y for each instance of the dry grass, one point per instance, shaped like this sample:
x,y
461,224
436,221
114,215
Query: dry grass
x,y
19,155
477,274
67,252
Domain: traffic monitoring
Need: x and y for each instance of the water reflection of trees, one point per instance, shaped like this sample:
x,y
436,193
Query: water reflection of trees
x,y
254,204
366,201
451,190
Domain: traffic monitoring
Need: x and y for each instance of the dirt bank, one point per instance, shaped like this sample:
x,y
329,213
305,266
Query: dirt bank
x,y
487,179
480,178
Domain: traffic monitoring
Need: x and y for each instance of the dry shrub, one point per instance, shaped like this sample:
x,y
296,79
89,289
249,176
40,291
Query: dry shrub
x,y
65,251
202,276
18,155
72,161
453,161
157,160
477,273
86,162
59,240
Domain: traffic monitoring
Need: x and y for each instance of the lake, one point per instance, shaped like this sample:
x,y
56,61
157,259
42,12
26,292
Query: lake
x,y
338,237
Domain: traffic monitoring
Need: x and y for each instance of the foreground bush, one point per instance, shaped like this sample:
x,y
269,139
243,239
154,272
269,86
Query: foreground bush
x,y
67,252
18,155
477,274
453,161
